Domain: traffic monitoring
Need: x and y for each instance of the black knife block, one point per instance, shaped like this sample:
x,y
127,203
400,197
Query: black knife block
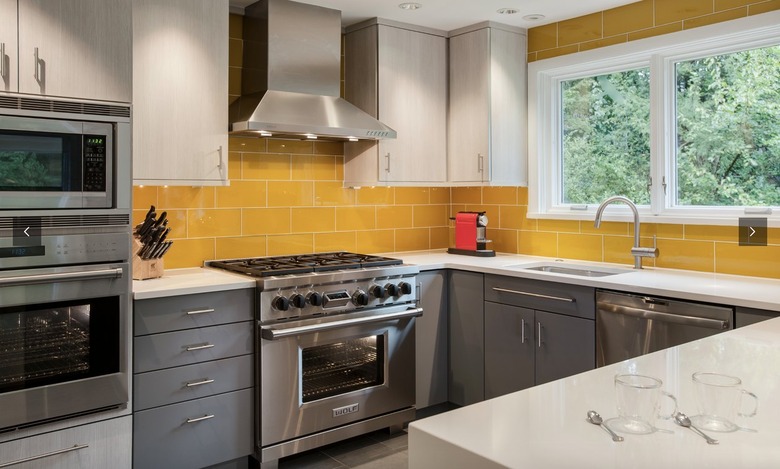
x,y
145,269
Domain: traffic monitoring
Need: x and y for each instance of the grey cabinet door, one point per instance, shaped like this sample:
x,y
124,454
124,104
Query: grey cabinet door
x,y
466,381
509,349
564,346
431,340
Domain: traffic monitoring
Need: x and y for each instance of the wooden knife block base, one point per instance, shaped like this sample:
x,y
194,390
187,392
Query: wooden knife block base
x,y
145,269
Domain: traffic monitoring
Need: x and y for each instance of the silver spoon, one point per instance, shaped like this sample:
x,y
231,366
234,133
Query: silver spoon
x,y
683,421
595,419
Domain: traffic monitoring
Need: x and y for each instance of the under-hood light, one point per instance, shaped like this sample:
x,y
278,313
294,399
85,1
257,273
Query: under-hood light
x,y
352,139
311,137
264,133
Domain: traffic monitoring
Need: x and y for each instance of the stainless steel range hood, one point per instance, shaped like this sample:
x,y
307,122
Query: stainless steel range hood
x,y
291,78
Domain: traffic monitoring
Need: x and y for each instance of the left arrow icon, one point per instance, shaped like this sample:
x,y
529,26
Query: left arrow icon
x,y
26,233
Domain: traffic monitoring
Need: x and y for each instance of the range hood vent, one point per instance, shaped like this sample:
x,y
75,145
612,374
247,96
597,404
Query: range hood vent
x,y
291,78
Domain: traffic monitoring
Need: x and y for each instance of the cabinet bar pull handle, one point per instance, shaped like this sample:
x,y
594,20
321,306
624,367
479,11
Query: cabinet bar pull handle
x,y
200,419
535,295
37,67
522,331
44,455
191,348
220,164
2,61
387,162
480,163
200,311
539,334
192,384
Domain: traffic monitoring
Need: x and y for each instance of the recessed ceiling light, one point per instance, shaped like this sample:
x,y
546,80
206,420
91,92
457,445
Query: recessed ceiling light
x,y
533,17
507,11
410,6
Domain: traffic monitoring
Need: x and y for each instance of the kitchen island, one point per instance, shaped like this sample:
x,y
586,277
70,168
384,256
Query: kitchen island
x,y
545,426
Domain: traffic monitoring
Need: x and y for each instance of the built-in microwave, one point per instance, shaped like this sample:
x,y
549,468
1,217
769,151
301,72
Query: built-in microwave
x,y
55,164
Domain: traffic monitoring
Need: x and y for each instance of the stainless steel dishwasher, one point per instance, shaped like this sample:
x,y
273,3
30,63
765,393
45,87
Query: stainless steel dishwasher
x,y
628,326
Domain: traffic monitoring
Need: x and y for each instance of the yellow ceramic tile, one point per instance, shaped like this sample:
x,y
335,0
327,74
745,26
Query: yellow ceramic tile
x,y
320,168
298,147
375,195
263,166
466,195
657,31
764,7
325,242
617,250
580,29
236,26
144,197
261,221
721,5
439,237
394,216
499,195
412,195
189,253
669,11
202,223
711,233
235,53
329,148
531,57
247,144
431,215
376,241
627,18
511,217
234,165
566,226
607,228
311,220
242,194
537,243
185,197
416,239
247,246
355,218
580,246
280,245
333,193
688,255
340,168
558,51
440,195
758,261
234,81
661,230
715,18
503,241
177,222
290,194
543,37
618,39
522,195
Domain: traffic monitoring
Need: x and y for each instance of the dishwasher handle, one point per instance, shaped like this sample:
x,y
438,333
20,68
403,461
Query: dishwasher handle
x,y
665,317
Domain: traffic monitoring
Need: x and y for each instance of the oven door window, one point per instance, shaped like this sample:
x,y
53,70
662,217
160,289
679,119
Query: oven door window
x,y
58,342
342,367
40,161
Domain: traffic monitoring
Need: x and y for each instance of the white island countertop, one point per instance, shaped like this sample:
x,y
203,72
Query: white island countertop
x,y
545,426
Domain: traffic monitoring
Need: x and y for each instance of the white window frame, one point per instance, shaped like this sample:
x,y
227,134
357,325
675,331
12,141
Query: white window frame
x,y
660,54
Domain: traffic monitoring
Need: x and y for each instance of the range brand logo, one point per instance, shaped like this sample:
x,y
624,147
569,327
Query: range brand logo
x,y
348,409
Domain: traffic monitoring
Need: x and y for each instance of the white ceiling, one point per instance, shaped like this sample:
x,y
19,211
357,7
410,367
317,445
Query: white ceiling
x,y
452,14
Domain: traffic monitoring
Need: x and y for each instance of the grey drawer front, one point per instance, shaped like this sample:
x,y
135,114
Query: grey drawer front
x,y
162,438
154,352
173,313
572,300
162,387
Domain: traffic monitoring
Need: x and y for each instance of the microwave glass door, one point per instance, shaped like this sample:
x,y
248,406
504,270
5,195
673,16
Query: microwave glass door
x,y
40,162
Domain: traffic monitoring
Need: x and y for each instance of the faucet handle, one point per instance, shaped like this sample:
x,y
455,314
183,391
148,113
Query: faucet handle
x,y
646,252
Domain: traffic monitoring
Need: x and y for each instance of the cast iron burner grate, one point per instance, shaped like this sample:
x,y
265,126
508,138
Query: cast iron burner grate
x,y
303,263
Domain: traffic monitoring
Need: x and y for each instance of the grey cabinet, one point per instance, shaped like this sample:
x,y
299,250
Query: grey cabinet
x,y
747,316
431,340
509,349
466,383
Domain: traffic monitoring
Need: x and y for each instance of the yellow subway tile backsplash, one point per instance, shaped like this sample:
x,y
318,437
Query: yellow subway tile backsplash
x,y
543,37
248,144
566,226
499,195
202,223
236,26
330,193
262,166
319,168
759,261
537,243
412,239
375,195
607,228
627,18
297,147
440,237
580,29
688,255
242,194
657,31
617,250
189,253
394,216
313,219
235,54
431,215
376,241
466,195
580,246
510,217
234,165
558,51
262,221
238,247
290,193
329,148
715,18
338,241
355,218
144,197
185,197
721,5
763,7
503,240
290,244
711,233
439,195
607,41
669,11
412,195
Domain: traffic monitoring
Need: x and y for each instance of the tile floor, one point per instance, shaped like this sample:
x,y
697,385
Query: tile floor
x,y
377,450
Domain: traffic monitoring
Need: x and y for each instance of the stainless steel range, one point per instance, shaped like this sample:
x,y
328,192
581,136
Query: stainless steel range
x,y
335,347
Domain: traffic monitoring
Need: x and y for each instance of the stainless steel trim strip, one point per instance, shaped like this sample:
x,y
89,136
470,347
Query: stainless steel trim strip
x,y
272,333
535,295
61,277
200,419
45,455
666,317
201,311
199,383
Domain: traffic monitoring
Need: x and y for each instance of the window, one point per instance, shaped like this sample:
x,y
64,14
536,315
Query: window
x,y
686,125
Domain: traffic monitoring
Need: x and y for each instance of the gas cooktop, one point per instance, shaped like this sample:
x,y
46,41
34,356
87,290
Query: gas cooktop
x,y
303,263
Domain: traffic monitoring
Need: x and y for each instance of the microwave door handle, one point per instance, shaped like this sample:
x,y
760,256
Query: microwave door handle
x,y
272,333
666,317
61,277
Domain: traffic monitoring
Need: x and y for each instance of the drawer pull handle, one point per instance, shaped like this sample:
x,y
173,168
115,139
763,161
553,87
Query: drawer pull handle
x,y
191,348
535,295
44,455
199,383
200,419
200,311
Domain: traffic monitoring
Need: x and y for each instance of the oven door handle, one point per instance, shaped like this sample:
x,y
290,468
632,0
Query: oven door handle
x,y
272,333
61,277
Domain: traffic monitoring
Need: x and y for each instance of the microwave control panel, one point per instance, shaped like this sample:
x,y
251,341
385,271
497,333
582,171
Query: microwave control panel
x,y
95,163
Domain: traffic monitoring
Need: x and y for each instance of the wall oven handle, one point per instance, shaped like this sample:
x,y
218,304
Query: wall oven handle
x,y
61,277
535,295
271,333
44,455
666,317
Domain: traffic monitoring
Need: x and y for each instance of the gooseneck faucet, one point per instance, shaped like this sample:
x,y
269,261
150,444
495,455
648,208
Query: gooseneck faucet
x,y
637,251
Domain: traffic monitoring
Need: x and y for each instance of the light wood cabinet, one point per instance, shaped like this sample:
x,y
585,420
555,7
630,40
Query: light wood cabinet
x,y
487,106
67,48
180,84
398,74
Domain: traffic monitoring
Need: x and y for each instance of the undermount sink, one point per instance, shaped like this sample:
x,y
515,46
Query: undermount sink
x,y
571,269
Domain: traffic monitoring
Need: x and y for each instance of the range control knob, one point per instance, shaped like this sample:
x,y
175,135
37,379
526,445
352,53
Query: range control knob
x,y
392,290
298,300
314,298
406,288
281,303
360,298
378,291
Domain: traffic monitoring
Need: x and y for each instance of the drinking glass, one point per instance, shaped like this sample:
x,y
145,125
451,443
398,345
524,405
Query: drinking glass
x,y
719,399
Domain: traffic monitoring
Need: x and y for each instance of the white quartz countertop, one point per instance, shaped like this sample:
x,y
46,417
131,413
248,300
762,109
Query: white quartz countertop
x,y
189,281
545,426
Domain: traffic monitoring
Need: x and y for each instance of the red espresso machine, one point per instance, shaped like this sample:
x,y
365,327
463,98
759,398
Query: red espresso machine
x,y
470,235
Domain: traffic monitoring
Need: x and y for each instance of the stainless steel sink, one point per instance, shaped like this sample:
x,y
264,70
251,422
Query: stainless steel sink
x,y
571,269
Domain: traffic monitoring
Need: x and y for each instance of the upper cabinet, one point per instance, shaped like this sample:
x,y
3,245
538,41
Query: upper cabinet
x,y
487,98
180,89
398,74
67,48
